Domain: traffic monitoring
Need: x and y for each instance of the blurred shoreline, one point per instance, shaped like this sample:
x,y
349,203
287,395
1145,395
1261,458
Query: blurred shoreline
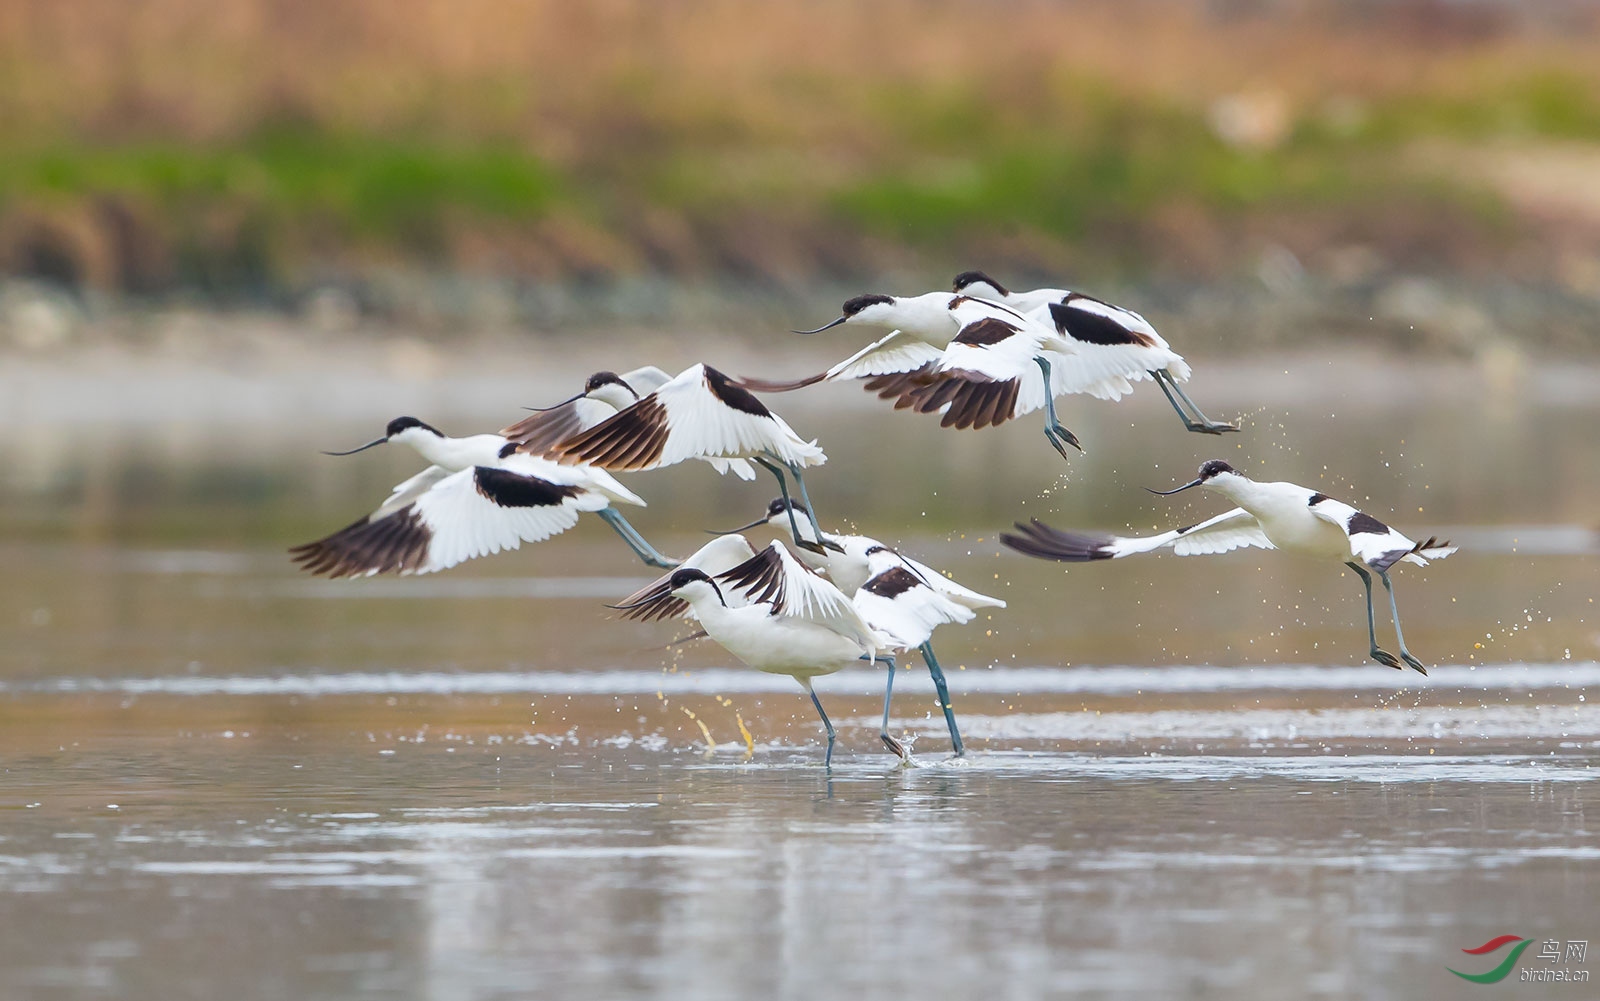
x,y
230,370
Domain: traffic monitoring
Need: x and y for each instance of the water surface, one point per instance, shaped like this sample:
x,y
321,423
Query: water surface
x,y
224,779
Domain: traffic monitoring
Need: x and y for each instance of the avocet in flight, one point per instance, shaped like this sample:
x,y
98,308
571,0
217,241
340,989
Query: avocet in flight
x,y
1284,516
604,394
905,606
973,359
771,612
477,497
1108,341
698,414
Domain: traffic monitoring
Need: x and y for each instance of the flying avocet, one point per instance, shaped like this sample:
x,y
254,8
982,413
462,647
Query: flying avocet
x,y
604,394
968,357
783,618
699,413
477,497
904,606
1283,516
1107,339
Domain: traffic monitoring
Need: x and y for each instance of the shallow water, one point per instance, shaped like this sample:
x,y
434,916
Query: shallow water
x,y
226,780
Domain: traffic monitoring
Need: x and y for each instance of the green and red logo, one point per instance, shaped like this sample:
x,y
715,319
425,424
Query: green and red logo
x,y
1502,971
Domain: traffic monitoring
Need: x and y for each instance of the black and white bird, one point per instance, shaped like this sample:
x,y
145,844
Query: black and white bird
x,y
921,327
477,497
1284,516
698,414
604,393
979,363
770,611
903,599
1113,347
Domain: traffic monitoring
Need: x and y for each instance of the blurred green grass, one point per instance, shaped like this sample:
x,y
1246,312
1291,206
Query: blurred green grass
x,y
544,143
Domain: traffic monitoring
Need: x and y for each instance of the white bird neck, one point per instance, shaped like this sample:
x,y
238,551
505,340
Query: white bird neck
x,y
926,316
613,395
708,606
455,454
1255,497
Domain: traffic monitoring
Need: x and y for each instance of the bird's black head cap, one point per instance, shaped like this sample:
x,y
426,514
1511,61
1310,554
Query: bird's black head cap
x,y
853,306
969,278
606,379
780,506
400,424
1215,467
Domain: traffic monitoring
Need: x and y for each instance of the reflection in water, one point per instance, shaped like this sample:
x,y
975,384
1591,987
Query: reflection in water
x,y
615,874
227,780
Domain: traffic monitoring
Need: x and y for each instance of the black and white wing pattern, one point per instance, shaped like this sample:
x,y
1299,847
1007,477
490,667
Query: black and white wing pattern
x,y
475,512
902,604
1109,347
540,432
698,414
1225,532
655,601
957,593
985,370
1374,543
409,490
774,577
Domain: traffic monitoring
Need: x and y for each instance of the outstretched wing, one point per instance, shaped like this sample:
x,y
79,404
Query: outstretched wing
x,y
646,379
891,355
981,373
1227,531
1107,349
541,431
1371,541
904,607
775,578
655,600
950,589
474,512
409,490
699,413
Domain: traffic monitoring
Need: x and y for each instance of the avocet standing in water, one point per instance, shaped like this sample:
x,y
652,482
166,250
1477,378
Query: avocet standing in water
x,y
1107,341
699,413
1283,516
905,606
477,497
785,620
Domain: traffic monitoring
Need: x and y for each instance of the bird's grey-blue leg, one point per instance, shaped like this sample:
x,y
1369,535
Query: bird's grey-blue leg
x,y
811,512
827,762
888,695
1394,610
1203,424
1381,656
1054,432
937,673
783,489
644,550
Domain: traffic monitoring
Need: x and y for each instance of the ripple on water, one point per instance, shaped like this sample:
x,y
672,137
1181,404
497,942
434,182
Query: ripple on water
x,y
1000,680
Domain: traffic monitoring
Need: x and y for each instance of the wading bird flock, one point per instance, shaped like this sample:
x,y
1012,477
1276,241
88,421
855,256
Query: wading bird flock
x,y
978,356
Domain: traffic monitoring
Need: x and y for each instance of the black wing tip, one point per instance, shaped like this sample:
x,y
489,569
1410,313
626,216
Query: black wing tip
x,y
1043,542
395,543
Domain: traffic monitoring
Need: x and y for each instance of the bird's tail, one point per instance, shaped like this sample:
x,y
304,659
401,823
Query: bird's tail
x,y
1433,549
